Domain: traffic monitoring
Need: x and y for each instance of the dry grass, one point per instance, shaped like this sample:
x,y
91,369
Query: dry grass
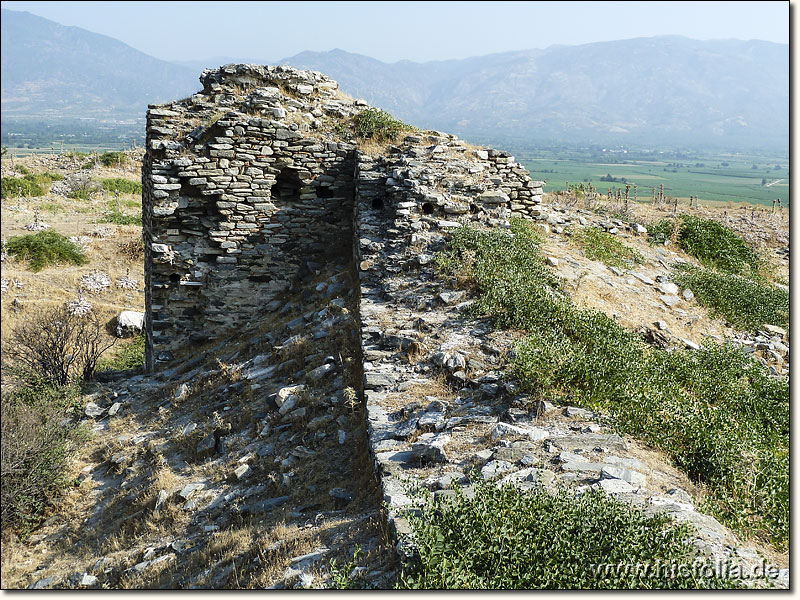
x,y
374,147
418,392
117,256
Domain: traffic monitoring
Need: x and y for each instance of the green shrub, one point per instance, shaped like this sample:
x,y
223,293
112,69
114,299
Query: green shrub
x,y
119,218
607,248
123,186
504,538
128,357
31,185
378,125
340,576
661,231
44,178
36,443
80,194
710,242
45,248
714,411
747,304
12,187
111,159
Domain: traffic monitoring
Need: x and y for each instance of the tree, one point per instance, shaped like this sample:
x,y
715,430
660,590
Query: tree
x,y
58,346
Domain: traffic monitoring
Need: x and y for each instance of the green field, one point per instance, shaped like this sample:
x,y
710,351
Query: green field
x,y
56,149
713,178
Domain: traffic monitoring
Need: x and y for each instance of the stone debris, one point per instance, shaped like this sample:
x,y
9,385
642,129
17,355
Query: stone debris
x,y
246,201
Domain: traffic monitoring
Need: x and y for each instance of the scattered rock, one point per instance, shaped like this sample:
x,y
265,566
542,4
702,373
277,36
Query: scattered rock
x,y
242,472
495,468
129,323
94,411
614,486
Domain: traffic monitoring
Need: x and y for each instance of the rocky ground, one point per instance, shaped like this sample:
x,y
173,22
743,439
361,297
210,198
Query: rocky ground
x,y
439,404
257,461
244,465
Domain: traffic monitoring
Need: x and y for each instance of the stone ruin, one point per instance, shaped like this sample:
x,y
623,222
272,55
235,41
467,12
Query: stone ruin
x,y
249,183
255,183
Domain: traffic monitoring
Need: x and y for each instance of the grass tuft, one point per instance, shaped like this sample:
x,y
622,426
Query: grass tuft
x,y
119,218
123,186
128,357
607,248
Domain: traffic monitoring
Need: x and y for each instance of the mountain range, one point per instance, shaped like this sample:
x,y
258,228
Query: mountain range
x,y
51,71
645,91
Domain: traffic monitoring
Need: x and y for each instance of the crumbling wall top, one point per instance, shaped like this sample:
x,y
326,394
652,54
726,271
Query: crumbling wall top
x,y
300,81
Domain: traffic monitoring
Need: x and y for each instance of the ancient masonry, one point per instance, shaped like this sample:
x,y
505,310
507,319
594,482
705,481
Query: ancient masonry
x,y
252,183
242,188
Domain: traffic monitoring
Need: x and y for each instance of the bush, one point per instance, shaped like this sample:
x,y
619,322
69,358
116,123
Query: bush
x,y
504,538
36,442
119,218
80,194
111,159
378,125
123,186
710,242
607,248
44,178
12,187
30,185
45,248
745,303
83,186
714,411
57,346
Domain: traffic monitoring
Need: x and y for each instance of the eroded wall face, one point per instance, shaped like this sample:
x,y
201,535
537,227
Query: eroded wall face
x,y
236,207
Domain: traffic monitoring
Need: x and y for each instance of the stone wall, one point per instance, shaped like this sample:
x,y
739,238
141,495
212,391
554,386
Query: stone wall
x,y
248,186
442,408
240,198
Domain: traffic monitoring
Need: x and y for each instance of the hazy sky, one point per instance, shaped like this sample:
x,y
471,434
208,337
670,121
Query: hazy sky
x,y
391,31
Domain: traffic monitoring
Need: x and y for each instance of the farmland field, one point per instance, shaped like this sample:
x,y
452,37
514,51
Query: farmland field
x,y
714,179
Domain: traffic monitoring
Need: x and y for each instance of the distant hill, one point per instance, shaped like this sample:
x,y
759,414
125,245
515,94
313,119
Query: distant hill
x,y
649,91
654,91
53,71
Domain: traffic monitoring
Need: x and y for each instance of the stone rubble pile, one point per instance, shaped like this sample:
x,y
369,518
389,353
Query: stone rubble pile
x,y
424,433
255,209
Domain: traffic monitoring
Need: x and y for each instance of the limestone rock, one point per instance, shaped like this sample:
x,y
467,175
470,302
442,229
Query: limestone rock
x,y
129,323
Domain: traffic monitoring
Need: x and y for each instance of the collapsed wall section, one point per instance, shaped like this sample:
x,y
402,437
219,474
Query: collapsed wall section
x,y
406,203
442,406
241,197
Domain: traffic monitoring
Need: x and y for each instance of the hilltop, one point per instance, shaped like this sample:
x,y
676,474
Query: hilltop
x,y
447,324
